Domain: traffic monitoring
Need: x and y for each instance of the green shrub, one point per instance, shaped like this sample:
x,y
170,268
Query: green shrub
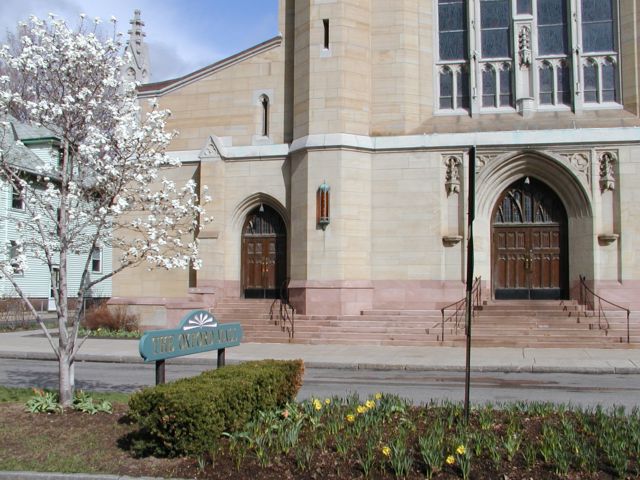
x,y
189,416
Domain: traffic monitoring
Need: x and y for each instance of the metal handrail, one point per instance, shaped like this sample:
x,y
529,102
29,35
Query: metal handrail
x,y
460,308
584,291
285,320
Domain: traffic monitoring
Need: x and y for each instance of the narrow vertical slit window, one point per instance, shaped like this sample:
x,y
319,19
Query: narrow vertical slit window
x,y
325,23
264,103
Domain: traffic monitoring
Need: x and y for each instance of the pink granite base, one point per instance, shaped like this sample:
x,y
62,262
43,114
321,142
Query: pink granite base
x,y
330,298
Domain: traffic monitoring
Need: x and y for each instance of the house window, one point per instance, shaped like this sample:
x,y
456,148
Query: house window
x,y
96,260
14,251
512,39
17,198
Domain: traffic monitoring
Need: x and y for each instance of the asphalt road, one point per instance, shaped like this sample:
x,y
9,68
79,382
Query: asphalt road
x,y
578,389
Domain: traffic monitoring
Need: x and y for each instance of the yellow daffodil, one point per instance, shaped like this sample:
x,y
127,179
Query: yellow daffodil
x,y
370,404
461,450
361,409
386,451
378,396
317,404
351,418
450,460
327,401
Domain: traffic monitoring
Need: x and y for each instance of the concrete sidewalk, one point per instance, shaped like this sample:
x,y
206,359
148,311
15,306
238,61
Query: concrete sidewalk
x,y
33,345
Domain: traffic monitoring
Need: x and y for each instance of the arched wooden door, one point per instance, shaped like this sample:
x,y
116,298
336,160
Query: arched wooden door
x,y
529,243
264,251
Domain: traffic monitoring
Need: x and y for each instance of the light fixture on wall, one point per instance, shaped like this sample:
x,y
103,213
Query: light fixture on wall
x,y
322,205
261,209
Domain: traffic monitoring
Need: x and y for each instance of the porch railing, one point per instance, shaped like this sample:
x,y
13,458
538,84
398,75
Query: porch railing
x,y
458,309
594,303
284,314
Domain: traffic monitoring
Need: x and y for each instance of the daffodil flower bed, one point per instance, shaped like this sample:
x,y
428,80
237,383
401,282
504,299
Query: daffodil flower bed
x,y
384,437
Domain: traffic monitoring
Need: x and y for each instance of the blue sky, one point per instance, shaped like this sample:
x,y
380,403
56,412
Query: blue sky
x,y
183,35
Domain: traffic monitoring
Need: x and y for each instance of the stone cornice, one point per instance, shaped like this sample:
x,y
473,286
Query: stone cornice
x,y
341,141
517,138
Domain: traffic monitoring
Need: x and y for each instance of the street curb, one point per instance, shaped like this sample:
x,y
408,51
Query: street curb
x,y
128,359
68,476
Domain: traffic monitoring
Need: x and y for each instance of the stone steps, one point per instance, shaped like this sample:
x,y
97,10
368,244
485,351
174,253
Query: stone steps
x,y
496,323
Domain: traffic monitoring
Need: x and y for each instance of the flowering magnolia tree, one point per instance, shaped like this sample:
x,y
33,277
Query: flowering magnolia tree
x,y
107,189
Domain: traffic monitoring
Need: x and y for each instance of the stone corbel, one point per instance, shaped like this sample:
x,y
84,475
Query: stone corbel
x,y
607,238
451,240
452,176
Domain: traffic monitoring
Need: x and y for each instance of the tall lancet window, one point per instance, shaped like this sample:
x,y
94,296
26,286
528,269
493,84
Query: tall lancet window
x,y
264,105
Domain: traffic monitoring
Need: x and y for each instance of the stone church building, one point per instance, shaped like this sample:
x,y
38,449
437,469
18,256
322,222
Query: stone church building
x,y
337,157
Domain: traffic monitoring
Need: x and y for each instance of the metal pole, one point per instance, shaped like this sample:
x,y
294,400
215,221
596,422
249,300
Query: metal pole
x,y
221,359
160,377
470,262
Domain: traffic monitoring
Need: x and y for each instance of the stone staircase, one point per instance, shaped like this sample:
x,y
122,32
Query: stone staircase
x,y
255,317
549,324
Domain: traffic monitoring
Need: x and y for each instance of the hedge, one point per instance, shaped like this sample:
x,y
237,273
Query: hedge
x,y
187,417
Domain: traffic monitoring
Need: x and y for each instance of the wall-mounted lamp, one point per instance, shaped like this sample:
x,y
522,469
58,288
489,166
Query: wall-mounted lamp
x,y
322,205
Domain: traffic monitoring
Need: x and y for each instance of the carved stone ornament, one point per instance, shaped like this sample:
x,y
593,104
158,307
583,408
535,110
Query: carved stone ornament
x,y
580,161
452,177
524,46
607,171
481,162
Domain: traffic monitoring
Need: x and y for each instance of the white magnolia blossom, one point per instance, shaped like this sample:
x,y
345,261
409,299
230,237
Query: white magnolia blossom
x,y
110,187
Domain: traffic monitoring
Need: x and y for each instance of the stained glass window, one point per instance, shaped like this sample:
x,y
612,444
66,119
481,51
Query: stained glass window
x,y
546,84
506,90
495,20
552,27
609,82
598,26
446,88
452,28
591,82
463,88
564,84
524,7
488,87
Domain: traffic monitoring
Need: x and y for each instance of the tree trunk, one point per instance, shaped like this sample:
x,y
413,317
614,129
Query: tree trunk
x,y
65,375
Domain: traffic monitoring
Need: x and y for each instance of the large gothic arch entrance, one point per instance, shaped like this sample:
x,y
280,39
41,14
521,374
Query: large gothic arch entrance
x,y
529,243
264,253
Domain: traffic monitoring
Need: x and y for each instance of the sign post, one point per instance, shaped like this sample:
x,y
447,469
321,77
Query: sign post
x,y
197,332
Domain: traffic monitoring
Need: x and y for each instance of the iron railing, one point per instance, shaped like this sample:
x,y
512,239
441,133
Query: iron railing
x,y
285,312
594,303
459,309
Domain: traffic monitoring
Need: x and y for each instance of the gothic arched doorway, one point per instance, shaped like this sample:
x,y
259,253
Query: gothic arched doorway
x,y
264,253
529,243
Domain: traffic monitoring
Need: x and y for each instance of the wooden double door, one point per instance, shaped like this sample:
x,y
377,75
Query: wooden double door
x,y
264,250
529,243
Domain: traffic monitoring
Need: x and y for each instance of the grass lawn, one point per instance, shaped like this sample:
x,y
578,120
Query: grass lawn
x,y
341,438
